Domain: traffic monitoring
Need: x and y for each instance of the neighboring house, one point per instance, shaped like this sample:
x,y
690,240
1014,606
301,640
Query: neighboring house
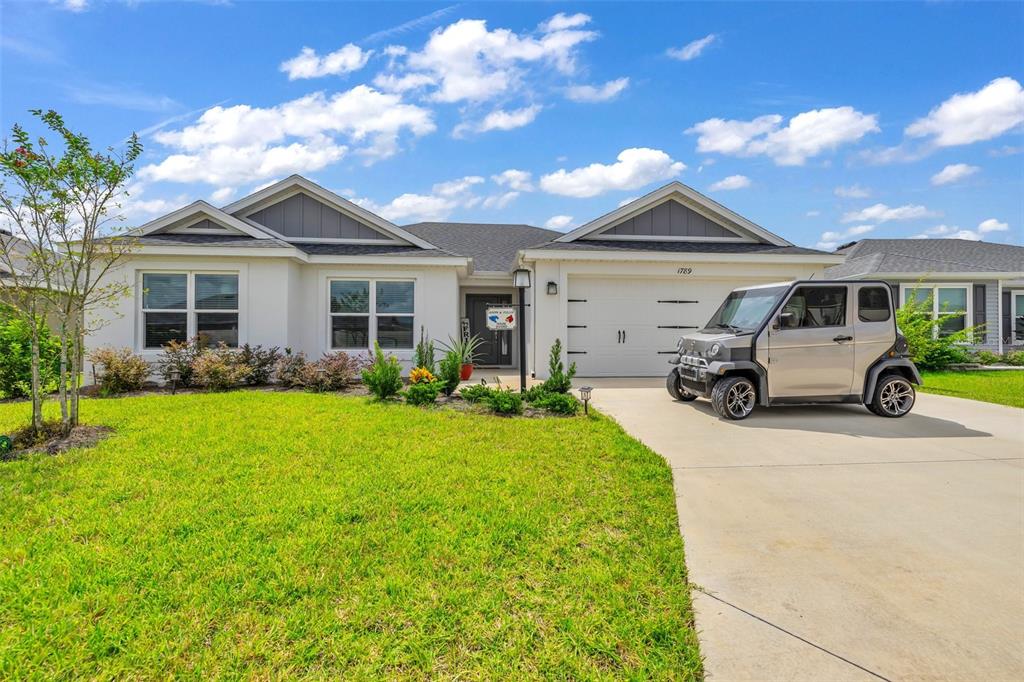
x,y
982,282
294,265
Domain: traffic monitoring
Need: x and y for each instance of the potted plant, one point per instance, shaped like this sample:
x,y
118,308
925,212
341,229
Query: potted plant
x,y
466,350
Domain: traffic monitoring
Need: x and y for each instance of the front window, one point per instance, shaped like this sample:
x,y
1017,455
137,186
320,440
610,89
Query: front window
x,y
949,302
177,306
746,309
364,311
813,307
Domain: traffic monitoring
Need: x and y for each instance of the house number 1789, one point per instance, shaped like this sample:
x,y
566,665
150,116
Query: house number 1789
x,y
684,271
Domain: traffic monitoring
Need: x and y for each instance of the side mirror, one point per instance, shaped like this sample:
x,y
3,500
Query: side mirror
x,y
785,321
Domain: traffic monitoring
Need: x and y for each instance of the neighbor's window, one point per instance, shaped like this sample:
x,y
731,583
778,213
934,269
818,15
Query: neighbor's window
x,y
873,304
816,307
1018,316
179,305
364,311
951,300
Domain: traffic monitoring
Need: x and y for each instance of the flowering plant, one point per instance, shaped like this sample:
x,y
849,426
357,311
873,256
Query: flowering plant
x,y
421,375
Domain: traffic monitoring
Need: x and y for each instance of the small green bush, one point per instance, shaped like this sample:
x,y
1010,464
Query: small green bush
x,y
1014,358
384,375
424,356
16,356
450,372
121,370
985,357
476,393
505,402
260,361
423,392
929,349
559,380
559,403
181,356
535,393
218,369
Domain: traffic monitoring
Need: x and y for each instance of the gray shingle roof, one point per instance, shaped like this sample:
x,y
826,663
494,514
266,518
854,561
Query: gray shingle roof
x,y
678,247
331,249
171,239
493,247
923,256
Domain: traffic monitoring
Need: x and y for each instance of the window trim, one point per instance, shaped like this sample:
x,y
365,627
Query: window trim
x,y
371,314
847,322
190,311
1014,293
968,287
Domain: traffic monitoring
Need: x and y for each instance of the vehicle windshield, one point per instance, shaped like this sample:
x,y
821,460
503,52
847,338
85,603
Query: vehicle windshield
x,y
745,309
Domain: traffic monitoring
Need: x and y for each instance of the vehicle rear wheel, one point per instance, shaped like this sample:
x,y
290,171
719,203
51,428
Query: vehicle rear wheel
x,y
734,397
676,390
894,397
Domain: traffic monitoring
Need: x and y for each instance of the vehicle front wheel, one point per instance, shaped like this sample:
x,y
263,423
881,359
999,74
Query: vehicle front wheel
x,y
894,397
676,390
734,397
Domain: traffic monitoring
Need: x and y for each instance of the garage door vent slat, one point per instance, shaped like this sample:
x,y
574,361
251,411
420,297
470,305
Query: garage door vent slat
x,y
672,301
575,352
577,300
576,326
677,326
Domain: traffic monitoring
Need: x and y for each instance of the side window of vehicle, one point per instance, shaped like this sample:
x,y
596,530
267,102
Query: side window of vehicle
x,y
873,304
810,307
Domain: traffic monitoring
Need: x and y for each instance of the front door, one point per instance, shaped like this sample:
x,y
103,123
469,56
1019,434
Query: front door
x,y
496,348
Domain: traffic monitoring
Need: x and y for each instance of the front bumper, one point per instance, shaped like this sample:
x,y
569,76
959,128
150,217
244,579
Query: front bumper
x,y
695,374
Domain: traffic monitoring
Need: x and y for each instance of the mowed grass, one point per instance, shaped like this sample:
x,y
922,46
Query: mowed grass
x,y
1005,387
267,534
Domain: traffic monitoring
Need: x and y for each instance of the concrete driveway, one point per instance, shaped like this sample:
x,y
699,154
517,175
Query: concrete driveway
x,y
830,544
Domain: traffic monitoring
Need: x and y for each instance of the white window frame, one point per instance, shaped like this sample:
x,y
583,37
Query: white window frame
x,y
190,310
1014,293
934,287
371,313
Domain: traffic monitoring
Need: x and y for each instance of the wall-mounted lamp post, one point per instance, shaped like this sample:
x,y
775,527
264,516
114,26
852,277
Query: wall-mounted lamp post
x,y
175,374
585,397
521,280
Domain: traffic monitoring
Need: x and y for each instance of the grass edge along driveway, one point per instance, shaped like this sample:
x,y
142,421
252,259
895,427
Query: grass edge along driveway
x,y
268,534
1003,387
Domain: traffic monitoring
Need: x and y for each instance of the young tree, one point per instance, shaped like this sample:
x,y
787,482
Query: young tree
x,y
70,200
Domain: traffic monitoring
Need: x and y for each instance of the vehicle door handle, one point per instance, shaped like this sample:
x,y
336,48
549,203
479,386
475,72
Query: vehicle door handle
x,y
840,339
623,336
619,332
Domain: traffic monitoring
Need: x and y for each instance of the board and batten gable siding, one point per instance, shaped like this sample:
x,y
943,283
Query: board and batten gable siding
x,y
300,216
669,219
984,296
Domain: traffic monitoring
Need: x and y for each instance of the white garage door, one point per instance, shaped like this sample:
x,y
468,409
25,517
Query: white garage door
x,y
630,326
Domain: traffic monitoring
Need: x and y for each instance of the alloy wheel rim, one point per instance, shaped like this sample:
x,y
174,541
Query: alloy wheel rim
x,y
896,397
740,399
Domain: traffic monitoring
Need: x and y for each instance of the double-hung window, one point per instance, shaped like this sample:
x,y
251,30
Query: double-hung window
x,y
364,310
949,301
177,306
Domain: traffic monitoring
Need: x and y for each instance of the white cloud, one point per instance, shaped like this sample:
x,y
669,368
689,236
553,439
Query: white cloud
x,y
558,222
500,119
308,64
880,213
500,201
730,183
954,172
633,168
72,5
806,135
692,50
241,144
223,194
830,240
627,200
390,82
135,208
597,93
458,187
992,225
467,62
512,178
948,232
854,191
973,116
443,200
813,214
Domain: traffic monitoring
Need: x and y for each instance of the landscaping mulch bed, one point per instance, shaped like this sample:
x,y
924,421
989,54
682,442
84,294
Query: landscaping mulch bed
x,y
52,443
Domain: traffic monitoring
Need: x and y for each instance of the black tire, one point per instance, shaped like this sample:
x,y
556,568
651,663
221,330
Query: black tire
x,y
734,397
894,397
676,390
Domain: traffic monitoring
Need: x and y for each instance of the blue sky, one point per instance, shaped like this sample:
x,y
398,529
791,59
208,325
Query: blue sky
x,y
822,122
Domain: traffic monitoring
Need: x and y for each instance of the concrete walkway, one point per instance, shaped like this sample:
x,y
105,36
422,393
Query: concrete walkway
x,y
830,544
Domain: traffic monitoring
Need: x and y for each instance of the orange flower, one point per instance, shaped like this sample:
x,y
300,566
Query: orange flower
x,y
421,374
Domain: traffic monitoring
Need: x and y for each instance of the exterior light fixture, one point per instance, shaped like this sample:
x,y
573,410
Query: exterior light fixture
x,y
585,397
175,374
521,278
552,288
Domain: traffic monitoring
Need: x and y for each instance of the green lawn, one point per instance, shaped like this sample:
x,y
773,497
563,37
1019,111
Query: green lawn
x,y
263,534
1005,387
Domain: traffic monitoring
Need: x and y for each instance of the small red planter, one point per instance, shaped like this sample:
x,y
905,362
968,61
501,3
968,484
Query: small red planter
x,y
467,371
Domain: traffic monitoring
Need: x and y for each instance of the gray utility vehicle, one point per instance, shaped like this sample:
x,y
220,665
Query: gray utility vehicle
x,y
799,342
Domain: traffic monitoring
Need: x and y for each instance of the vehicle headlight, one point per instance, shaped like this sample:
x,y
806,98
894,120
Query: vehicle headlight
x,y
679,344
715,349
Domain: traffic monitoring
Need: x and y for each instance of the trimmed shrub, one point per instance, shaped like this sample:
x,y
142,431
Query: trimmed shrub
x,y
535,393
476,393
558,403
219,369
423,392
290,368
985,357
1015,358
384,375
332,372
505,402
260,361
929,348
450,371
181,356
559,380
122,370
16,356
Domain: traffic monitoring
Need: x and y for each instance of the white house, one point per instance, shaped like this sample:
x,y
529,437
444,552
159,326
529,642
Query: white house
x,y
294,265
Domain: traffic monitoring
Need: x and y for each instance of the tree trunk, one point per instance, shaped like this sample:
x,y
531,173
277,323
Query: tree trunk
x,y
37,392
62,381
76,366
